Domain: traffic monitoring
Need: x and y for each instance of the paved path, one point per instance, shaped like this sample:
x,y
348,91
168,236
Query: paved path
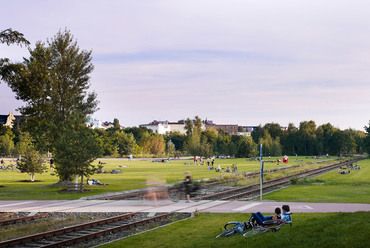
x,y
168,206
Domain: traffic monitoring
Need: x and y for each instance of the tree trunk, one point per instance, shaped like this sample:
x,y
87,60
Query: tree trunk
x,y
32,177
82,182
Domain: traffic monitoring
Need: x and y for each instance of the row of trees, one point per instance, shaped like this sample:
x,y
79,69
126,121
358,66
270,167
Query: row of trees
x,y
307,139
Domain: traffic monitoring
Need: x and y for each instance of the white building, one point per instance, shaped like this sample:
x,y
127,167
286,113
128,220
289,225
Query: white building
x,y
94,123
158,127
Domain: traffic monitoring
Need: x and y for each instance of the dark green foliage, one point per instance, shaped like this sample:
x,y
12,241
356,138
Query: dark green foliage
x,y
25,143
53,83
367,139
75,150
138,132
9,36
177,139
126,143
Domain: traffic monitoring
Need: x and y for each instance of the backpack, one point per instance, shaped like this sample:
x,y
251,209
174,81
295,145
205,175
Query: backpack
x,y
239,227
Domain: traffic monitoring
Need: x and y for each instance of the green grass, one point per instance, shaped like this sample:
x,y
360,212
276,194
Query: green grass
x,y
308,230
137,175
330,187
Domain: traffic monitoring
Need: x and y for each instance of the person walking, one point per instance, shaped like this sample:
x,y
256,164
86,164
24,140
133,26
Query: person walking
x,y
188,187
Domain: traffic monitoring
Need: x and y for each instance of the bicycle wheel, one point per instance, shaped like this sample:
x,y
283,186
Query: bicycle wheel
x,y
226,233
255,231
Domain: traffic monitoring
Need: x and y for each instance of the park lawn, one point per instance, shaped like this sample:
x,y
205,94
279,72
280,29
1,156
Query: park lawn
x,y
308,230
136,175
330,187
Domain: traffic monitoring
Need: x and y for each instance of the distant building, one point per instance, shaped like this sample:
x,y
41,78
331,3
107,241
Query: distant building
x,y
10,119
95,123
228,128
160,127
163,127
249,128
245,133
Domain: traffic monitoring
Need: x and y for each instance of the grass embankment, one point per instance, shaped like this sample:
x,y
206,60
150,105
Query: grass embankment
x,y
135,174
330,187
308,230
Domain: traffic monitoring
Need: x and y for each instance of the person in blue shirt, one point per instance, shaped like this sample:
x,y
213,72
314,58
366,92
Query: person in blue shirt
x,y
286,214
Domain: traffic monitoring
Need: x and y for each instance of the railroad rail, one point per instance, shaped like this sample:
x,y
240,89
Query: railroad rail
x,y
175,191
252,190
81,233
21,219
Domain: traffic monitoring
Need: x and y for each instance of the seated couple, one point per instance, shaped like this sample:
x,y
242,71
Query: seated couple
x,y
285,215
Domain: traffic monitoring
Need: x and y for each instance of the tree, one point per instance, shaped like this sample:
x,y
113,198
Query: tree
x,y
307,136
367,139
192,144
75,151
116,124
274,129
189,127
197,125
177,138
6,145
31,163
170,148
24,144
53,83
246,148
154,144
6,140
126,143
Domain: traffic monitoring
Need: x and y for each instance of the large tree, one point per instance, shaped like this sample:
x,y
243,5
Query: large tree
x,y
53,82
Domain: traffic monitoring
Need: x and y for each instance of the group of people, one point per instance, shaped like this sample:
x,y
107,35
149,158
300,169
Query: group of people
x,y
282,213
341,171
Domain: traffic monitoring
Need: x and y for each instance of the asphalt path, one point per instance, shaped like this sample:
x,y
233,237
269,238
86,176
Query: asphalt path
x,y
169,206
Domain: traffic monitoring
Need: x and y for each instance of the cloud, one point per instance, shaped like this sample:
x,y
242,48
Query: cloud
x,y
239,61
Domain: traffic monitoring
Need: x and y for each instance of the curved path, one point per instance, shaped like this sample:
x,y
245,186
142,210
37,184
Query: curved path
x,y
169,206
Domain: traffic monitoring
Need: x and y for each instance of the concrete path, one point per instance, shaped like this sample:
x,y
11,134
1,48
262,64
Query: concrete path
x,y
168,206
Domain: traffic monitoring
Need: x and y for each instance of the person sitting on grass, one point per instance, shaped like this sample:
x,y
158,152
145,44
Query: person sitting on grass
x,y
285,215
95,182
277,215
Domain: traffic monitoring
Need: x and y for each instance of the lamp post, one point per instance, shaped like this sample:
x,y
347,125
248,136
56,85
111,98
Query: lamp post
x,y
261,174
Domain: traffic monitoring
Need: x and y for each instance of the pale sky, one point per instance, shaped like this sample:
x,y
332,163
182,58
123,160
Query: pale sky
x,y
242,62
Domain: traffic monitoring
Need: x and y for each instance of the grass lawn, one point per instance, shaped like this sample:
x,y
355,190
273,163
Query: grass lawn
x,y
134,176
330,187
308,230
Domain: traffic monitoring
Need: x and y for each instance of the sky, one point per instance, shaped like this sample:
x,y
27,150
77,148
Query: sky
x,y
242,62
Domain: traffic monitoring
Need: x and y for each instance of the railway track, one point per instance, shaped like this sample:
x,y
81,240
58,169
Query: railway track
x,y
21,219
176,193
268,186
66,237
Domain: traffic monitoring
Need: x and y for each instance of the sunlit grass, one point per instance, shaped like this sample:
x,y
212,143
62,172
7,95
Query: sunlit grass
x,y
330,187
308,230
134,175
